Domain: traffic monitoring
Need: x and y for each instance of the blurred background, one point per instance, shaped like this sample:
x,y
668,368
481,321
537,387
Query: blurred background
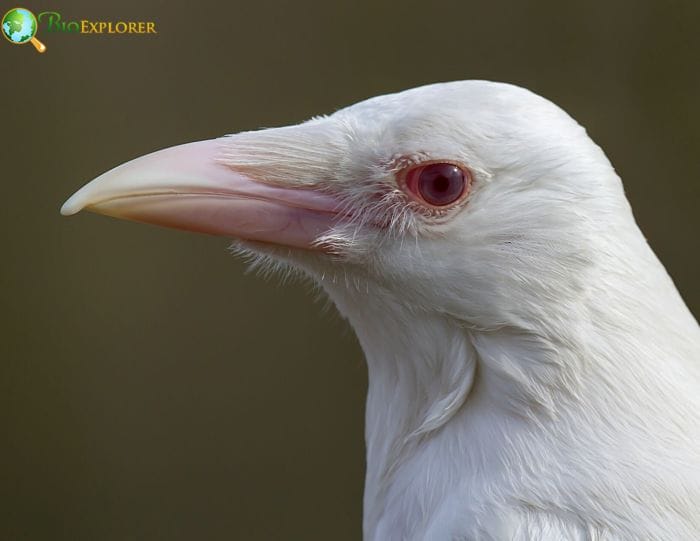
x,y
149,387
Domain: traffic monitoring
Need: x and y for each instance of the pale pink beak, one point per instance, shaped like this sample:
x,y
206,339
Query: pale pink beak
x,y
187,187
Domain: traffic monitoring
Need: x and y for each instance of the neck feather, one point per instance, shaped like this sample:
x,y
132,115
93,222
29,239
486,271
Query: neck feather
x,y
449,406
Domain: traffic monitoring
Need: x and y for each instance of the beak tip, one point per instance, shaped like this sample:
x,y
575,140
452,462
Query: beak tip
x,y
71,207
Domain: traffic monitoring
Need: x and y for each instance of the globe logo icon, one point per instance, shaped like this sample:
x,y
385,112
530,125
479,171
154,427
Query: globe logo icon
x,y
19,26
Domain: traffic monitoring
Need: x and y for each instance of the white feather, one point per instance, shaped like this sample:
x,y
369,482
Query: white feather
x,y
533,372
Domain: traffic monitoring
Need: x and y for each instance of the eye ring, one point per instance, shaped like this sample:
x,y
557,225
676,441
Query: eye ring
x,y
437,185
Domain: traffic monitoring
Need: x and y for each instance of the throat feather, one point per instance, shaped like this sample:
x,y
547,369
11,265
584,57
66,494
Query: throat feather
x,y
421,370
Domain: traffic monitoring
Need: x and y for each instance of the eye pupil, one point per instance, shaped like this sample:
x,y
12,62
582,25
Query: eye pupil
x,y
440,184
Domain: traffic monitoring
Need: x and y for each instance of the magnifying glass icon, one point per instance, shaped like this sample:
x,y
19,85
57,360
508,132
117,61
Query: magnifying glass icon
x,y
19,26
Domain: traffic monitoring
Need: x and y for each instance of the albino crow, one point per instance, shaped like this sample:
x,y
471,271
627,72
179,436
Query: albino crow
x,y
533,372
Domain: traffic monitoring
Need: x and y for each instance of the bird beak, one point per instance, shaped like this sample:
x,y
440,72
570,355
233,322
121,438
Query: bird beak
x,y
188,187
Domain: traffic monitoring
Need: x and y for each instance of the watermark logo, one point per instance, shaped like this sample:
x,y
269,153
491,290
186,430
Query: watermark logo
x,y
53,22
19,26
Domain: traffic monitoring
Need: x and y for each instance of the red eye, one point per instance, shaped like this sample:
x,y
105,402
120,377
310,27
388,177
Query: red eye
x,y
437,184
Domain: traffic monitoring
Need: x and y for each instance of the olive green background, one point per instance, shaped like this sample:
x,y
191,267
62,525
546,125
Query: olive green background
x,y
149,387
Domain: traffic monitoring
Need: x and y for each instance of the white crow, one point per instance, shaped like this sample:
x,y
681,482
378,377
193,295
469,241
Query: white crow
x,y
533,372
